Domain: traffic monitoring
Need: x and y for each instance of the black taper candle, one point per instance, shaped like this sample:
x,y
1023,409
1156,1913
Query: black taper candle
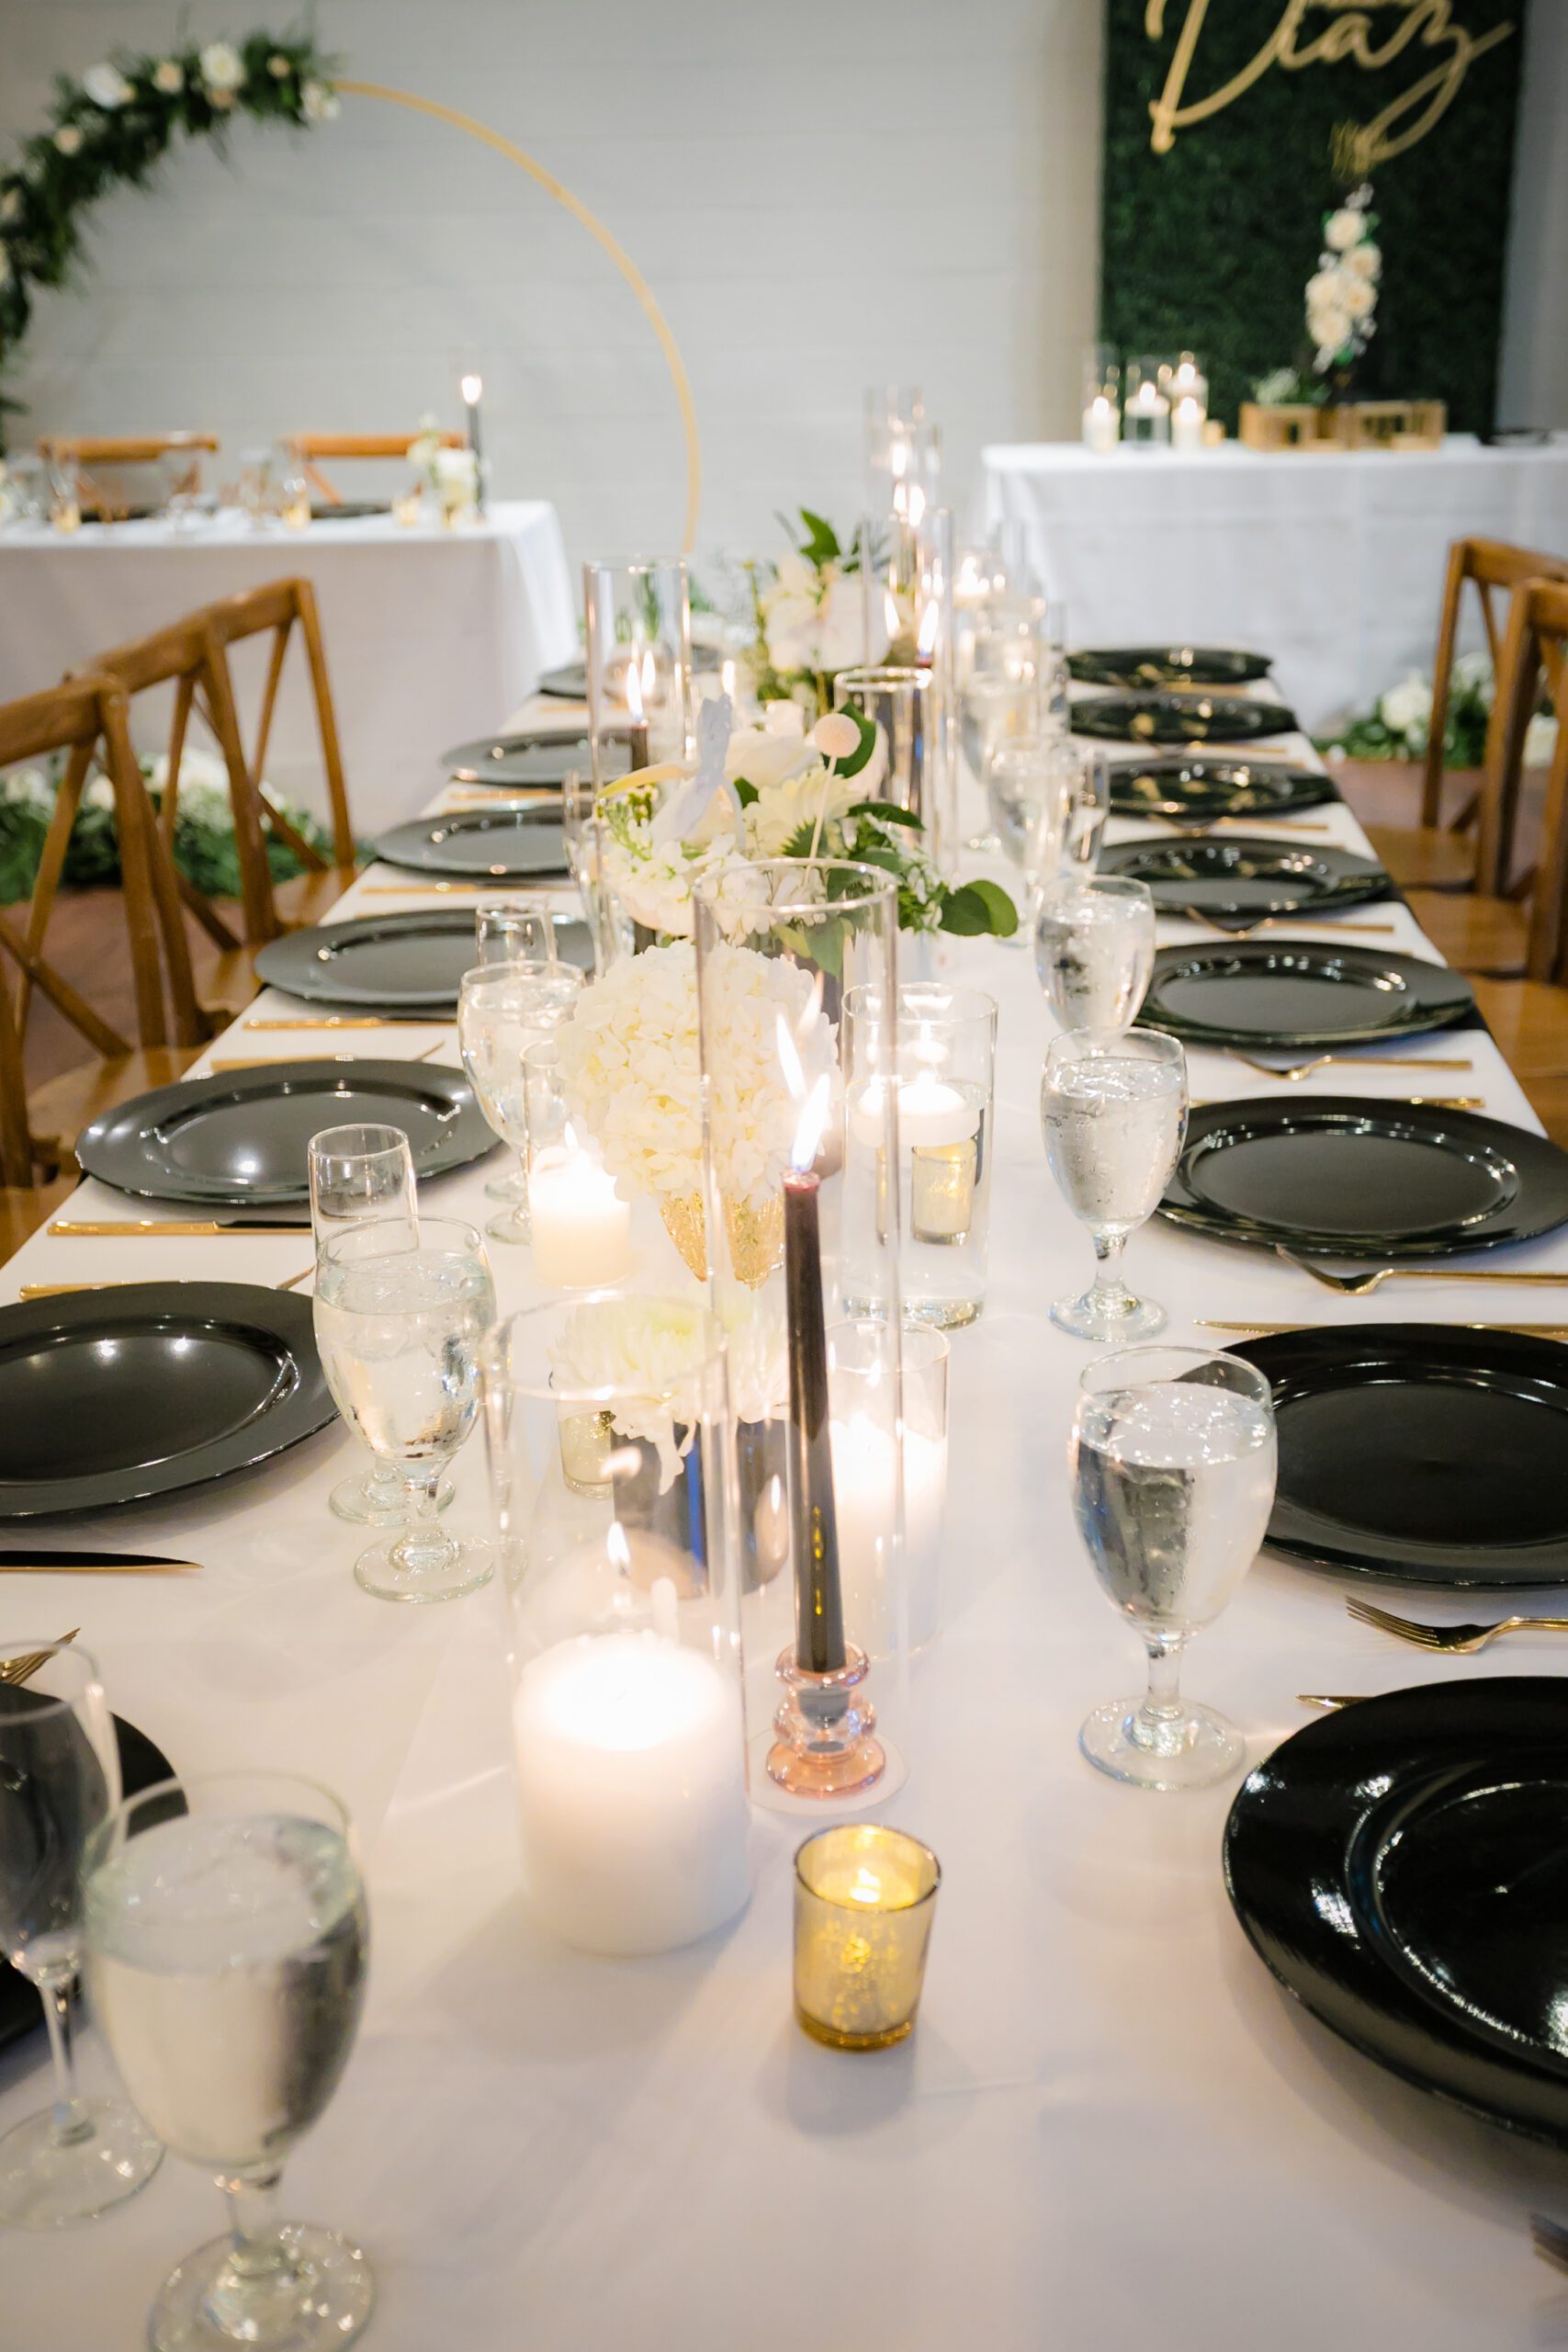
x,y
818,1602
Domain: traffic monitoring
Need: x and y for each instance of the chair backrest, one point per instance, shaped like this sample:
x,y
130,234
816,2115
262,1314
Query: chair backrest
x,y
83,718
1536,650
282,606
310,447
96,494
1494,567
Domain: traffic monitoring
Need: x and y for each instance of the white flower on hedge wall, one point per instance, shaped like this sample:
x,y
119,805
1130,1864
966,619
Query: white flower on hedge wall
x,y
10,205
1343,230
68,139
169,76
279,66
106,86
1541,741
222,67
1358,297
4,266
1364,260
321,102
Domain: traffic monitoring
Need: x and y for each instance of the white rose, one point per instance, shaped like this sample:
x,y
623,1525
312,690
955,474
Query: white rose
x,y
106,86
11,205
1331,331
222,67
1358,299
1322,286
1541,741
840,625
321,102
1364,261
279,66
1407,707
168,75
68,139
1342,231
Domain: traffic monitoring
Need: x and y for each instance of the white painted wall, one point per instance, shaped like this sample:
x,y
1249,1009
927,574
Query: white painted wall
x,y
820,195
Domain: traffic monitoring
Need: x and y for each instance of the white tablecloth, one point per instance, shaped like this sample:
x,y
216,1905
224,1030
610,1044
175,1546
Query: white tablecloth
x,y
1109,2127
1331,563
432,636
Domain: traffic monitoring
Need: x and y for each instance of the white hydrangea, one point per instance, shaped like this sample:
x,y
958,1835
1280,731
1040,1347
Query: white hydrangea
x,y
106,86
222,67
639,1355
655,886
320,102
630,1065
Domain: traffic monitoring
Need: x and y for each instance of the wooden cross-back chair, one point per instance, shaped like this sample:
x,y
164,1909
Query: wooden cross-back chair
x,y
192,654
90,449
311,448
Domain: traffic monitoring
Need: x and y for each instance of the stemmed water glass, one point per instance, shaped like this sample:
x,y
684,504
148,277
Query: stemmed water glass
x,y
1026,791
506,933
59,1778
1173,1458
1094,948
364,1175
503,1009
399,1330
1113,1107
228,1940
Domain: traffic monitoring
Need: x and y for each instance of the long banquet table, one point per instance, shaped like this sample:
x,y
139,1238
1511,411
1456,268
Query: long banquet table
x,y
431,635
1110,2125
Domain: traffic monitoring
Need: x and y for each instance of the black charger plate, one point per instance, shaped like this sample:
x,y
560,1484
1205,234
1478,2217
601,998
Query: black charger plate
x,y
1163,665
348,510
1196,718
1399,1867
480,844
1285,994
240,1138
109,1395
141,1766
1351,1176
1236,881
533,762
1196,791
1382,1427
409,964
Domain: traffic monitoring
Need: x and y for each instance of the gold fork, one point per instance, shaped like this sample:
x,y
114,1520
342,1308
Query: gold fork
x,y
1456,1640
19,1669
1362,1285
1353,1061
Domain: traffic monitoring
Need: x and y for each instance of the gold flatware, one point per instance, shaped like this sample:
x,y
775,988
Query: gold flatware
x,y
177,1228
1329,1701
1271,922
1352,1061
254,1061
1282,828
1268,1331
1550,2240
1362,1285
351,1021
294,1280
22,1670
498,888
64,1289
1458,1641
1427,1101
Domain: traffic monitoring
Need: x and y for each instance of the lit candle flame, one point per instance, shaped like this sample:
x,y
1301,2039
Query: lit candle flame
x,y
635,706
813,1100
917,503
930,621
890,614
650,678
473,387
726,677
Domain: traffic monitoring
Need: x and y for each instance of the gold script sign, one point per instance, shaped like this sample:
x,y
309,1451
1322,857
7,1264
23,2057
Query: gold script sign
x,y
1349,34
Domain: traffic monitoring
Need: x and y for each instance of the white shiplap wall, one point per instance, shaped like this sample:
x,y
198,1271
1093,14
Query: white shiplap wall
x,y
820,197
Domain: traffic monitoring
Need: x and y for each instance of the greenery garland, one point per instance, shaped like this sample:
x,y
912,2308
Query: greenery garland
x,y
115,125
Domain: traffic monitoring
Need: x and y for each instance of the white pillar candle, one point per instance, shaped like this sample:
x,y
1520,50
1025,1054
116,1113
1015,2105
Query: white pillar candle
x,y
1187,424
1102,426
862,1495
930,1112
631,1789
582,1230
1148,403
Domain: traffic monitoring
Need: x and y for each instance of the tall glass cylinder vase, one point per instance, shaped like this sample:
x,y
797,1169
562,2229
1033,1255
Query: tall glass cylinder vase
x,y
893,414
611,1461
903,702
779,946
639,649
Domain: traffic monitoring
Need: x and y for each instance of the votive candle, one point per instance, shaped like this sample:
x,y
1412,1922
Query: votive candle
x,y
581,1227
865,1903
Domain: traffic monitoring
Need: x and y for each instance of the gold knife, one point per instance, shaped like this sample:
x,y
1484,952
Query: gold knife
x,y
178,1229
355,1021
496,884
1329,1702
1267,1330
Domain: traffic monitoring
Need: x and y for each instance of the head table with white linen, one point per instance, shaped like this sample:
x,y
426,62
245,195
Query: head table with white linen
x,y
1110,2124
432,634
1328,559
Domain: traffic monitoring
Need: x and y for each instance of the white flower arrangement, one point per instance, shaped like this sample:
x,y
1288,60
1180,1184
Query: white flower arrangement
x,y
450,476
1341,294
809,615
638,1355
1399,726
631,1066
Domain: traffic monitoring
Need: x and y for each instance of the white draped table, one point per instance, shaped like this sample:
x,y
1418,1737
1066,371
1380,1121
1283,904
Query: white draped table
x,y
1109,2127
1330,562
432,636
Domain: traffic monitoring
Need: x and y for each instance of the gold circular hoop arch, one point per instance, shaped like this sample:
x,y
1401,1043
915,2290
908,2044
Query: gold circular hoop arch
x,y
602,237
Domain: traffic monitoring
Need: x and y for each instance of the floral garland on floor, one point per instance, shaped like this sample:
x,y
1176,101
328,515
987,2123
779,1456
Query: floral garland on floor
x,y
1399,727
204,829
113,126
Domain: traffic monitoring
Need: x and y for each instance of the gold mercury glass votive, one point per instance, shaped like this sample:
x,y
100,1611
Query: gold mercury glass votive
x,y
864,1900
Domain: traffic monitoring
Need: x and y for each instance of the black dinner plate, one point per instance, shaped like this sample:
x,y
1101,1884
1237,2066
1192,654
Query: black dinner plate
x,y
1199,717
1289,993
1136,666
239,1138
1381,1427
108,1396
1353,1176
1196,791
1236,881
347,510
1399,1867
407,964
141,1766
499,844
532,761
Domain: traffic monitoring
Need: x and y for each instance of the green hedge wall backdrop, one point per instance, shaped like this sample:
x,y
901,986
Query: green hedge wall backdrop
x,y
1208,247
